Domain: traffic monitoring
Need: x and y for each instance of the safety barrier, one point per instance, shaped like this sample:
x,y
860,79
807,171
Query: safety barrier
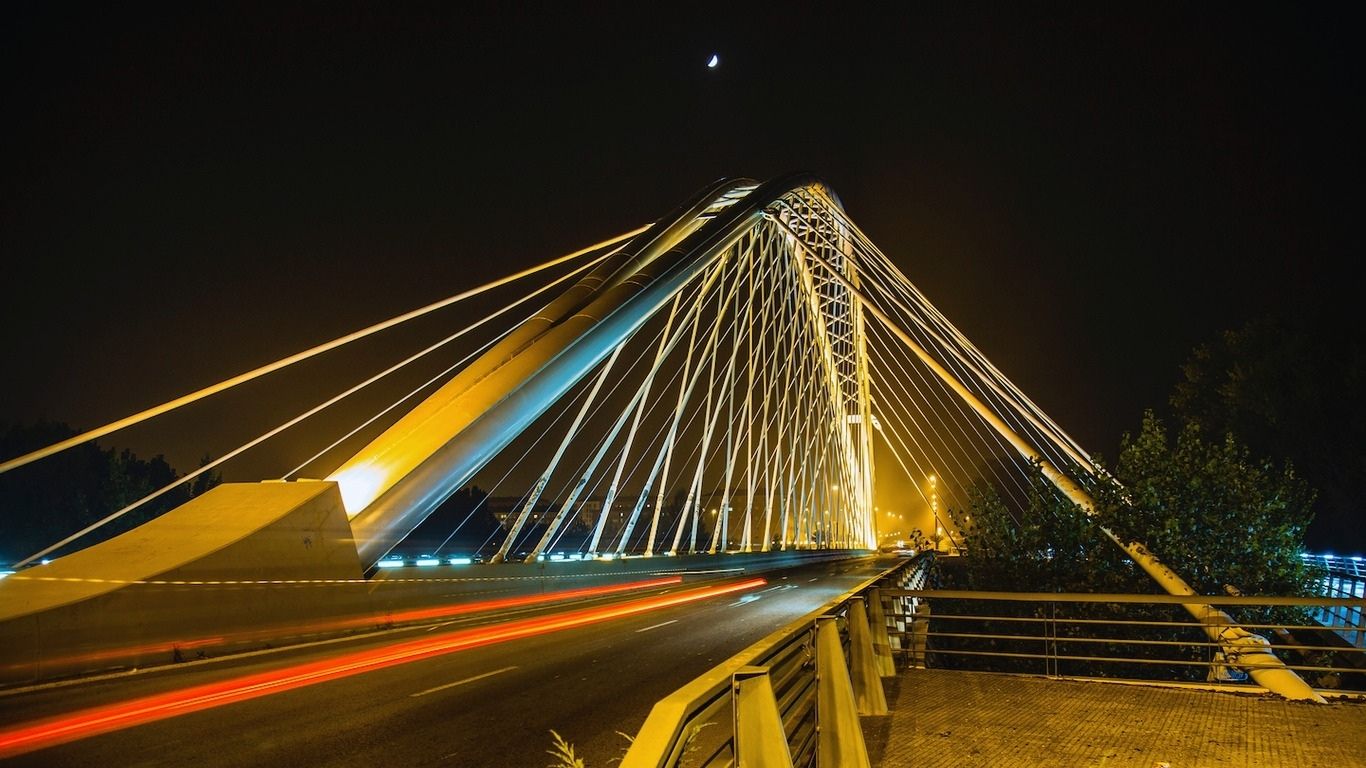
x,y
1342,577
1121,636
791,697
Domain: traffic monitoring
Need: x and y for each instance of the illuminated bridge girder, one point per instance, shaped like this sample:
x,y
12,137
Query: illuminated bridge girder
x,y
393,483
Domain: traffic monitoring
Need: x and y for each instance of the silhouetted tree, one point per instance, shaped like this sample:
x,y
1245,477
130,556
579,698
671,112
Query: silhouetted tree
x,y
1290,387
43,502
205,482
1209,510
460,522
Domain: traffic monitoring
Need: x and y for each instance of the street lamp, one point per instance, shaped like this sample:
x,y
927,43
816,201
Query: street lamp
x,y
934,510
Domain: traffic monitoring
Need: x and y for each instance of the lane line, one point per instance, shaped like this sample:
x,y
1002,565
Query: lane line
x,y
657,626
91,721
461,682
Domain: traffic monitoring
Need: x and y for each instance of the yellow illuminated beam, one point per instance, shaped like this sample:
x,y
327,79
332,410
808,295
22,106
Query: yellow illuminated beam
x,y
221,386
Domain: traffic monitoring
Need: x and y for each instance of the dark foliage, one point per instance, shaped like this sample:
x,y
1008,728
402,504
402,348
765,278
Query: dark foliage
x,y
1290,386
1209,511
461,523
48,500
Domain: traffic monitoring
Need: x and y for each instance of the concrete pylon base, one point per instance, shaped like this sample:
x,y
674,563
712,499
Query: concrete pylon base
x,y
234,560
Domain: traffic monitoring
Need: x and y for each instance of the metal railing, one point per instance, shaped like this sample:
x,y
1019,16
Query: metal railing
x,y
1110,636
1124,636
1344,577
696,725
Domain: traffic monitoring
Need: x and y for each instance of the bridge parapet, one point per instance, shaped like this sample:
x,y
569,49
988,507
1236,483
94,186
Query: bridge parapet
x,y
1344,577
782,672
792,658
1115,636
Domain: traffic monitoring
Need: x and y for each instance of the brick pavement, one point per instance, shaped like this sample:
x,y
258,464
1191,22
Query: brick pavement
x,y
947,718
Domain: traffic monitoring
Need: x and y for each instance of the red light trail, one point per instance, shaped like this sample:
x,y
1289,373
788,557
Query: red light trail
x,y
366,620
96,720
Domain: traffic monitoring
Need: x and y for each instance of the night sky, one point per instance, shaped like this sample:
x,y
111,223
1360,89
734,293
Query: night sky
x,y
1088,193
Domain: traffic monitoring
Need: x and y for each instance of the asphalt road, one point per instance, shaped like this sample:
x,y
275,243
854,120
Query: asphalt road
x,y
491,705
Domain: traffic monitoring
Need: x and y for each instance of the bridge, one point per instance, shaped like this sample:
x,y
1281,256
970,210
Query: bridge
x,y
683,420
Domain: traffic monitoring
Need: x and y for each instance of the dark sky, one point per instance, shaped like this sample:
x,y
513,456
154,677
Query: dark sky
x,y
1088,193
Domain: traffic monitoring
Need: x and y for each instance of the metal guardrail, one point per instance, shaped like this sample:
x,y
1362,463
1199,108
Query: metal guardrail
x,y
697,724
1344,577
778,695
1113,636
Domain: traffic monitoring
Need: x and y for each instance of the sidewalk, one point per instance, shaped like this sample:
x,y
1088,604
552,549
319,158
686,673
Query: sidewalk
x,y
948,718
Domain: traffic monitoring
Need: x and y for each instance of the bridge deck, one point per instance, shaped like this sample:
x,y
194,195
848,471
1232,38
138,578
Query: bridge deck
x,y
948,718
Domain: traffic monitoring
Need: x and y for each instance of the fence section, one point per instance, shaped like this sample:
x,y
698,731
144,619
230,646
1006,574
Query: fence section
x,y
1124,636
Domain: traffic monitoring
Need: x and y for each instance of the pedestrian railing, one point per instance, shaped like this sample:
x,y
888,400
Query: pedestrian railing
x,y
795,694
1125,636
1343,577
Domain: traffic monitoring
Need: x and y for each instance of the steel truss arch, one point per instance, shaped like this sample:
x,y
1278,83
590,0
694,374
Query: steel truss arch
x,y
393,483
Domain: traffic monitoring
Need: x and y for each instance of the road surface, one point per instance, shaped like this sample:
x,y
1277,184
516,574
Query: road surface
x,y
488,702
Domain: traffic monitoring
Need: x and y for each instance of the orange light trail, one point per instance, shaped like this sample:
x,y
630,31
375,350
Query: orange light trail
x,y
97,720
367,620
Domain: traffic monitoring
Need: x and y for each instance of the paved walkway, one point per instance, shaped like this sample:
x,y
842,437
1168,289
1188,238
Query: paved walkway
x,y
946,718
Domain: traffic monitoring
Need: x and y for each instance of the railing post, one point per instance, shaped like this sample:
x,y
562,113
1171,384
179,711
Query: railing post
x,y
863,669
920,630
839,737
882,644
760,741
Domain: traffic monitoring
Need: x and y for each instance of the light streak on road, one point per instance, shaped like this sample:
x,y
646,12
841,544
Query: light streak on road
x,y
364,620
97,720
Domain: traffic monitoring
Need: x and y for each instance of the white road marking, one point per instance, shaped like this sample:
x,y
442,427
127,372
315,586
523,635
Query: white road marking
x,y
743,600
462,682
657,626
808,581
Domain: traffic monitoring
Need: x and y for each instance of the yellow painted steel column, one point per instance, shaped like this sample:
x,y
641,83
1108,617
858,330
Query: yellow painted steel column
x,y
759,738
839,737
920,632
863,667
882,644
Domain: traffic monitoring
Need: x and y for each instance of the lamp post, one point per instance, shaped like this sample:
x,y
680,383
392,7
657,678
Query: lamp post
x,y
934,510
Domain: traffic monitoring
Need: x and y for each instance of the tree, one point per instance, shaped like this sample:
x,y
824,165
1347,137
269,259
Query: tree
x,y
1289,386
1207,509
1044,544
1210,510
462,521
48,500
205,482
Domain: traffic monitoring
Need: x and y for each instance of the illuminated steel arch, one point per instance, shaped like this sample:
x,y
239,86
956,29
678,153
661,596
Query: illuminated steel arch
x,y
944,401
392,484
